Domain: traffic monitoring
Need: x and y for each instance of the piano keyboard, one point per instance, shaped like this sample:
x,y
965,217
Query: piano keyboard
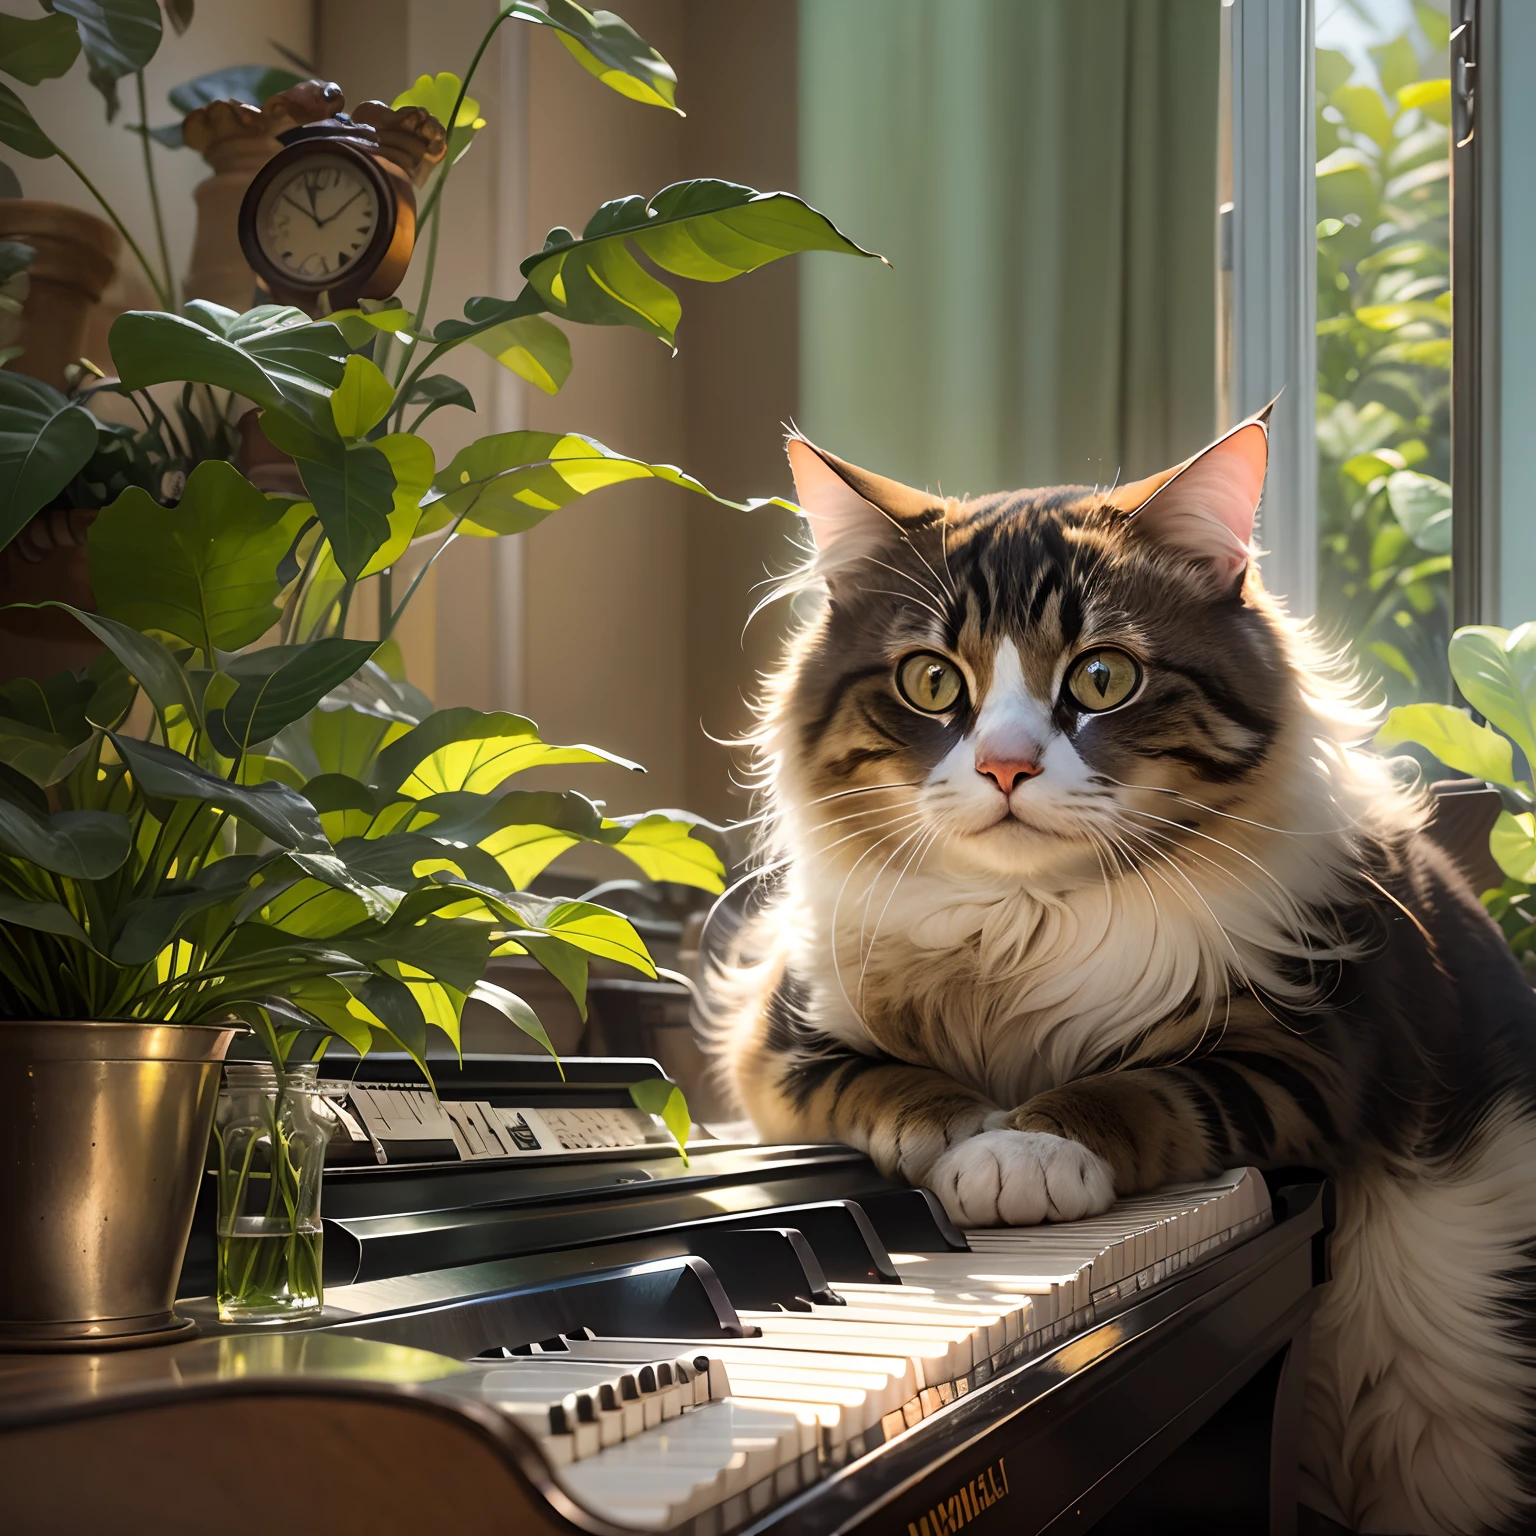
x,y
662,1434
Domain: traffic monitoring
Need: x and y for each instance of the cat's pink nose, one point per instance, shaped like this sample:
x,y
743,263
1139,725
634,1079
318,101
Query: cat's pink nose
x,y
1007,774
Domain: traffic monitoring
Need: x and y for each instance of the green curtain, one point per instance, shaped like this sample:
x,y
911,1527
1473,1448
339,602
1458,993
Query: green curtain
x,y
1042,176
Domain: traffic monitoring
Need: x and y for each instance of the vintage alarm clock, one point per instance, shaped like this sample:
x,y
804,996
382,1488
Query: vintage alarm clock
x,y
331,218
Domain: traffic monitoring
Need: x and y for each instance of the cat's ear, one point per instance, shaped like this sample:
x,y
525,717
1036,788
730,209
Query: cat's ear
x,y
1206,506
851,512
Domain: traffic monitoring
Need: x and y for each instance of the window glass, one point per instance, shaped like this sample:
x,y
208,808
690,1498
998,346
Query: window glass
x,y
1384,338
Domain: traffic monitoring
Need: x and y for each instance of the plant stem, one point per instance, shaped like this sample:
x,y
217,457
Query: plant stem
x,y
122,229
154,190
407,347
410,592
430,208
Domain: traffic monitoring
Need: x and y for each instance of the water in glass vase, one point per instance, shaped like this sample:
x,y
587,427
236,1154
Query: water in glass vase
x,y
270,1137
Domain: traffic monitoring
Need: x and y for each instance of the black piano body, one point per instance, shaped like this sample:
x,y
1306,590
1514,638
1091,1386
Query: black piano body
x,y
1175,1407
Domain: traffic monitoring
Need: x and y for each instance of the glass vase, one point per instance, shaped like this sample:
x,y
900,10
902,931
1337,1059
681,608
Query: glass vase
x,y
270,1132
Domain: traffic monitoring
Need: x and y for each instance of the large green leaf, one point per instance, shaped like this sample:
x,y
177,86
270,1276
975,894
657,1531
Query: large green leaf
x,y
56,705
157,672
437,390
281,360
606,46
411,462
275,810
462,749
240,82
1452,737
362,399
43,916
39,756
353,490
393,1007
657,1096
706,230
45,441
280,683
1422,505
597,930
532,348
1512,843
512,1008
119,38
19,129
348,739
1496,671
511,481
439,94
205,570
663,845
567,964
331,1005
37,48
85,845
451,950
144,926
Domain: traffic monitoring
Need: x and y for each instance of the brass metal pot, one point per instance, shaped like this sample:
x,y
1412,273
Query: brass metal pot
x,y
103,1141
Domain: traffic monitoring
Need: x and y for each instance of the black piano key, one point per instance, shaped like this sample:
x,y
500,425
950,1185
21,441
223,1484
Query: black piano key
x,y
774,1265
841,1237
912,1221
554,1293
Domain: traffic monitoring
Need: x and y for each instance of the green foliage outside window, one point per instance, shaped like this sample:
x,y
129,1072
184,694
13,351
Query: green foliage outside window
x,y
1384,357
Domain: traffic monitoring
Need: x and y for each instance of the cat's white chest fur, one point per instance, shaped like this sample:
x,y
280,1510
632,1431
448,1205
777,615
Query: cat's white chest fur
x,y
1014,992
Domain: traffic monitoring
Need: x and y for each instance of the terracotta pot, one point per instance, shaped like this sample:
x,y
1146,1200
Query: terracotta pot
x,y
236,140
76,257
269,469
48,559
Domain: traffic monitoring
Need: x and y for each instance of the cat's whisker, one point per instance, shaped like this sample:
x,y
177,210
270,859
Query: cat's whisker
x,y
848,837
1287,903
922,586
869,895
837,967
865,789
905,597
1239,967
925,841
863,951
1211,810
1286,912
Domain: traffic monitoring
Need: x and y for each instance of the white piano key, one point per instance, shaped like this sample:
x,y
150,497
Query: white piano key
x,y
946,1352
744,1357
763,1380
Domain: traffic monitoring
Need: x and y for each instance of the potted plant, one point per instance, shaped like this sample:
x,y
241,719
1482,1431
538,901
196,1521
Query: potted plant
x,y
61,460
1495,669
242,813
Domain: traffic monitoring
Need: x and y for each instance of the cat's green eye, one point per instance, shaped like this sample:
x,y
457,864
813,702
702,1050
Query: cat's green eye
x,y
1103,679
930,682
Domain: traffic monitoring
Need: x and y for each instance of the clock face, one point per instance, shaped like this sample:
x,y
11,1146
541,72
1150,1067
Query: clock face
x,y
317,219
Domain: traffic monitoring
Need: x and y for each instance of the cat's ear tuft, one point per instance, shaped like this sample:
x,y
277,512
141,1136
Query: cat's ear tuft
x,y
1206,506
851,512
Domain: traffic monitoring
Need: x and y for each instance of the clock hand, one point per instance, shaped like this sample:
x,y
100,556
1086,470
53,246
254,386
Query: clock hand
x,y
302,209
338,213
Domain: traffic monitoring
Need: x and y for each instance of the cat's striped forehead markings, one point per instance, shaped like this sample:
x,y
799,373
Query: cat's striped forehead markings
x,y
1031,567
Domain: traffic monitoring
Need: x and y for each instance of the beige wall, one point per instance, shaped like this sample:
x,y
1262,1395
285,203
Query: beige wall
x,y
223,33
618,621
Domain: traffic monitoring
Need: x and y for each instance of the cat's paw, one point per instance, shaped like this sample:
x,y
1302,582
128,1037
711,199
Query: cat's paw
x,y
1018,1178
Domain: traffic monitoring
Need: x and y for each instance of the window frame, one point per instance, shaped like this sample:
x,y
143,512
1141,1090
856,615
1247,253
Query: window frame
x,y
1270,301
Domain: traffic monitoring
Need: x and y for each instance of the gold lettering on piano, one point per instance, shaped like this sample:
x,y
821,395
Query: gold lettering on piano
x,y
972,1500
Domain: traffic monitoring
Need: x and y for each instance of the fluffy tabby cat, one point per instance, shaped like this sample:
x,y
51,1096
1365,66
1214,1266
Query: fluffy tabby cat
x,y
1085,888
